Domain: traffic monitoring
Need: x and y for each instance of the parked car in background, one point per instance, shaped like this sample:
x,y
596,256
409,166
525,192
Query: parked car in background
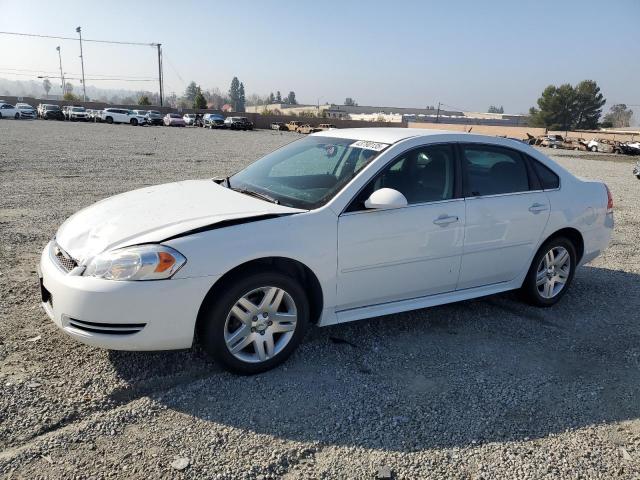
x,y
75,114
552,141
636,170
293,125
26,110
9,111
173,120
189,118
142,113
238,123
122,115
154,117
213,120
602,146
306,129
51,112
629,148
326,126
246,264
279,126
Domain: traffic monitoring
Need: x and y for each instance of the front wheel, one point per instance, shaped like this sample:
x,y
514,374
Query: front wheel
x,y
551,273
109,120
594,149
17,116
255,323
134,122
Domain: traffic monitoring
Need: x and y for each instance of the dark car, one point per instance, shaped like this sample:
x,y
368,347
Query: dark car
x,y
213,120
154,117
238,123
52,112
279,126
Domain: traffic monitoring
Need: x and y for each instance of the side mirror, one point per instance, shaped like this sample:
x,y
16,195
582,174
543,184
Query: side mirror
x,y
386,198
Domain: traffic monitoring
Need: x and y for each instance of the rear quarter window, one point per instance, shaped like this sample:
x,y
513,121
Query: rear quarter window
x,y
548,178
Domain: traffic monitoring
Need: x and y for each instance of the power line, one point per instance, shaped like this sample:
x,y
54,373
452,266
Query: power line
x,y
75,39
9,70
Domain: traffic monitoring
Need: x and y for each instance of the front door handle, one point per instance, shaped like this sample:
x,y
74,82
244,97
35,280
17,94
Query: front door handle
x,y
444,220
538,207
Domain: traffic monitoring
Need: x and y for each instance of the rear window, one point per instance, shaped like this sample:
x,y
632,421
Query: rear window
x,y
494,171
548,179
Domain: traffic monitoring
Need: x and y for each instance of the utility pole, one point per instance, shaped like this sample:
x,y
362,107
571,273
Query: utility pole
x,y
84,87
438,114
61,74
159,45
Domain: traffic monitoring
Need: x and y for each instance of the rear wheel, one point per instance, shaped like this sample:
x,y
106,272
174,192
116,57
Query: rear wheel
x,y
551,273
255,323
134,122
109,120
17,116
594,149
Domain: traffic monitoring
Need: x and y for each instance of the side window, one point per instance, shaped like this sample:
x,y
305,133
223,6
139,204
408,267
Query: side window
x,y
548,179
493,170
425,174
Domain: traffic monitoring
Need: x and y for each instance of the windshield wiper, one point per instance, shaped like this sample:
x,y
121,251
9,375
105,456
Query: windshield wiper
x,y
262,196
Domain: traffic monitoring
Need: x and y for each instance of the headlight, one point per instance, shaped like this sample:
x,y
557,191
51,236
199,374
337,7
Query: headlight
x,y
145,262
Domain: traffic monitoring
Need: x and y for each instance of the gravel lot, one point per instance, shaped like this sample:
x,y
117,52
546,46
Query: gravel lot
x,y
489,388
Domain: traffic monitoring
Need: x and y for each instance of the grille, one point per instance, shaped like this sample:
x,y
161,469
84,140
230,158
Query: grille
x,y
63,260
106,328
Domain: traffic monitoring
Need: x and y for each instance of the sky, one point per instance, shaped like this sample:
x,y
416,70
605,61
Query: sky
x,y
465,54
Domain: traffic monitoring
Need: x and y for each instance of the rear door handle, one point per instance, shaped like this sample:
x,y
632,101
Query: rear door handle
x,y
538,207
444,220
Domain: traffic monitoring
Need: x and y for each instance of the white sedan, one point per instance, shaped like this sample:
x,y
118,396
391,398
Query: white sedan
x,y
339,226
9,111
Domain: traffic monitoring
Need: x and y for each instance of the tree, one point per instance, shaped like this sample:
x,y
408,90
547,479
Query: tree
x,y
589,102
241,98
566,107
191,91
494,109
46,84
68,88
70,97
199,102
272,98
234,93
619,116
556,108
278,97
350,102
291,98
144,100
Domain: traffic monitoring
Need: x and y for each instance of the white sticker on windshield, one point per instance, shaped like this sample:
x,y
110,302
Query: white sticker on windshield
x,y
378,147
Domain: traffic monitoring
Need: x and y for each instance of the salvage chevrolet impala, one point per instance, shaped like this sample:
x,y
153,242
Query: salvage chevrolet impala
x,y
339,226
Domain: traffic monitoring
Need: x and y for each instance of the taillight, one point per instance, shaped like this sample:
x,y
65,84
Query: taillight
x,y
609,200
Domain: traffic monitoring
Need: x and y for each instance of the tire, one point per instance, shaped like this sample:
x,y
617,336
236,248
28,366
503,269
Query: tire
x,y
109,120
17,116
594,149
134,122
217,323
550,273
0,116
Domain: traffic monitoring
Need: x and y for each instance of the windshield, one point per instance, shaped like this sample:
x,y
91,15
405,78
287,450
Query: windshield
x,y
307,173
154,112
78,109
53,107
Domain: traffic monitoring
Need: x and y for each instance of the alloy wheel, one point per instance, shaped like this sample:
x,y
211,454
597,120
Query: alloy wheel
x,y
260,324
553,272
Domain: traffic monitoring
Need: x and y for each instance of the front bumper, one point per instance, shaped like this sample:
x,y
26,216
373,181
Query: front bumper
x,y
161,314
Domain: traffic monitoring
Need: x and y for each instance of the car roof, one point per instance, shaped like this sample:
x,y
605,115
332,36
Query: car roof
x,y
384,134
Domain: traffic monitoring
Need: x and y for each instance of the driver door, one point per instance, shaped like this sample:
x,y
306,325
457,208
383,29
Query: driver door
x,y
408,252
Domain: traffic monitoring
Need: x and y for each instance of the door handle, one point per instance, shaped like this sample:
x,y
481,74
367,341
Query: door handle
x,y
444,220
538,207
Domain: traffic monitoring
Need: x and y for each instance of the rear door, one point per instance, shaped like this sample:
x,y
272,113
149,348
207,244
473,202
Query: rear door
x,y
506,213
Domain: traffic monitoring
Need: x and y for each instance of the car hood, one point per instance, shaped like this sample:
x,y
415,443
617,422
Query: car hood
x,y
156,213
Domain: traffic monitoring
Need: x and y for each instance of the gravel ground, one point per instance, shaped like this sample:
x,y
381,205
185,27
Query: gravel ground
x,y
489,388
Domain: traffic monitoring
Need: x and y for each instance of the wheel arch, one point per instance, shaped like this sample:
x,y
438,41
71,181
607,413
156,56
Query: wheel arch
x,y
288,266
574,236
